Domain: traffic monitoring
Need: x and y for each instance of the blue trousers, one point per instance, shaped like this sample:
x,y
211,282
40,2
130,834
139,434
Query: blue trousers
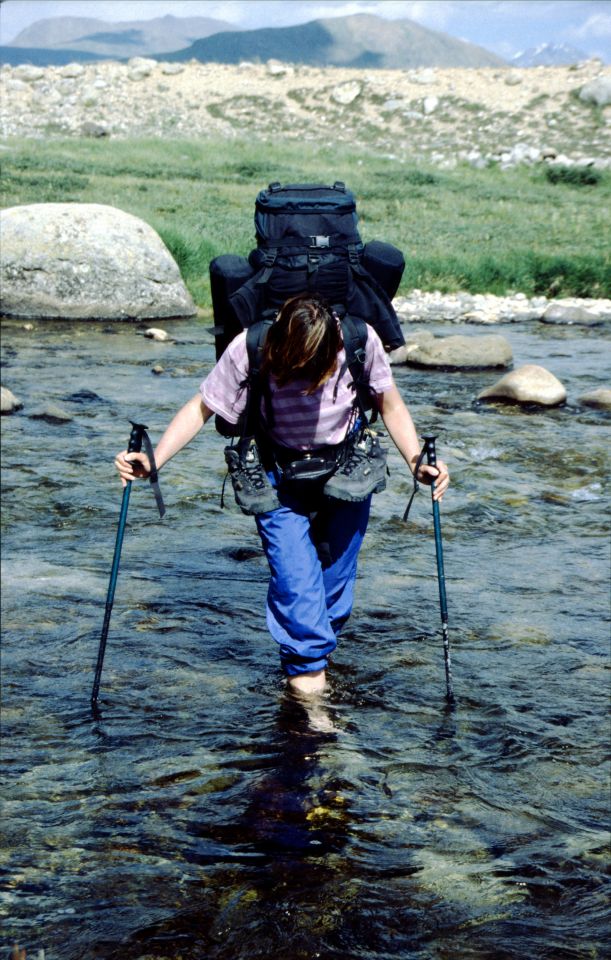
x,y
312,545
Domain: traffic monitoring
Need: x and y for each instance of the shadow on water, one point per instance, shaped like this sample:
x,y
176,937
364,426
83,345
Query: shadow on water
x,y
270,862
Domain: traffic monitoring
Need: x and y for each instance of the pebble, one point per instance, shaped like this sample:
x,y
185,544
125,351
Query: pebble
x,y
422,307
155,333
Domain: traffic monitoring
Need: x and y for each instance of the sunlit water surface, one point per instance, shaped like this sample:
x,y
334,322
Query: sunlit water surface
x,y
204,813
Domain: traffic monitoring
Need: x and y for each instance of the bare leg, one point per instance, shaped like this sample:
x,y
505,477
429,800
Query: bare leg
x,y
307,684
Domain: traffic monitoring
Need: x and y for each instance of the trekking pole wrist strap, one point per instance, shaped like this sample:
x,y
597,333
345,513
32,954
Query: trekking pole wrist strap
x,y
140,430
415,470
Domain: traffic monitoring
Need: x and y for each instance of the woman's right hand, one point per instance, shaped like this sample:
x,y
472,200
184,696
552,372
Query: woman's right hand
x,y
132,466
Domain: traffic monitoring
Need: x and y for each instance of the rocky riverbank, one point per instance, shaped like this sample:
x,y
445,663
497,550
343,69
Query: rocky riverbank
x,y
478,308
442,116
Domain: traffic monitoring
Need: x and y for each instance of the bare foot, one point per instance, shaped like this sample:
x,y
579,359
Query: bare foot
x,y
307,684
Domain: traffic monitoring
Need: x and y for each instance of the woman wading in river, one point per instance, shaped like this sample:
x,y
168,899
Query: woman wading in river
x,y
311,520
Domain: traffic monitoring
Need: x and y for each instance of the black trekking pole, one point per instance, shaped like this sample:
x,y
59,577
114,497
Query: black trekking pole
x,y
136,438
431,458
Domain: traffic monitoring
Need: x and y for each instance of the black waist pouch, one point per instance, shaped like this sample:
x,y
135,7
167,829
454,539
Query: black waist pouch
x,y
307,465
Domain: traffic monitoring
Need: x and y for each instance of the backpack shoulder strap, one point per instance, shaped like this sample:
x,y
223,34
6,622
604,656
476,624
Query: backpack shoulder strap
x,y
255,341
256,335
354,333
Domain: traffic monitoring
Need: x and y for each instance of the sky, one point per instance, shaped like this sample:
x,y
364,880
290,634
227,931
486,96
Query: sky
x,y
504,26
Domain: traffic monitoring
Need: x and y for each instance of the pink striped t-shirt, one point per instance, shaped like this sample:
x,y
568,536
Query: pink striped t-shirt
x,y
301,421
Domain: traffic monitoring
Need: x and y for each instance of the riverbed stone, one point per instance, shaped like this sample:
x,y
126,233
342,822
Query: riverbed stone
x,y
8,401
528,384
156,333
413,340
51,413
565,313
599,399
86,261
460,352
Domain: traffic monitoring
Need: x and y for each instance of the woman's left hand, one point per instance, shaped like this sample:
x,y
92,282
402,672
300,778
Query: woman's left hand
x,y
438,475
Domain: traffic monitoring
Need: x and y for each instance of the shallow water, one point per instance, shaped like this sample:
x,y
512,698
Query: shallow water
x,y
203,813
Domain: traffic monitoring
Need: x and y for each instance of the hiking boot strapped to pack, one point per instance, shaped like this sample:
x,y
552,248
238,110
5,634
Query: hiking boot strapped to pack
x,y
253,491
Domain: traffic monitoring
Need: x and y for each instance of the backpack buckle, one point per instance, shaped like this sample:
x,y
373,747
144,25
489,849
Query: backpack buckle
x,y
320,241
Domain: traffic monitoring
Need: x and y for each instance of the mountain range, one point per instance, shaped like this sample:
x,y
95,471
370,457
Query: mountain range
x,y
549,55
360,40
129,38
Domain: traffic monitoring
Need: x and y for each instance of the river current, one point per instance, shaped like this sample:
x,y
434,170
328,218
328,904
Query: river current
x,y
204,813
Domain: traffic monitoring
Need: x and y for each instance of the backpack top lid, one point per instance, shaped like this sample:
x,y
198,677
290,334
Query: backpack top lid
x,y
303,209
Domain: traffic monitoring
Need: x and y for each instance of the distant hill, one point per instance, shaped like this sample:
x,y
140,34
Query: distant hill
x,y
361,40
114,40
549,55
45,58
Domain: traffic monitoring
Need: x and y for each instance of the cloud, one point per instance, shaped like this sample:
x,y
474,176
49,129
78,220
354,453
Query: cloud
x,y
595,27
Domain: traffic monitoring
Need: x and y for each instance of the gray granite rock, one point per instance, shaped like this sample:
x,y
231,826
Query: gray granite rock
x,y
86,261
527,384
463,353
599,399
8,401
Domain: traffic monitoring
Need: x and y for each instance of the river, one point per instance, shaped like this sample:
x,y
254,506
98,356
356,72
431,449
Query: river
x,y
204,813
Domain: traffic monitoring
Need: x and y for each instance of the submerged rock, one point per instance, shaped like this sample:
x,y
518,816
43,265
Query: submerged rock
x,y
8,401
527,384
86,261
51,413
461,352
599,399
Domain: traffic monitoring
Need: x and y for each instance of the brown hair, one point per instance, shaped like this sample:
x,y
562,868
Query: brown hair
x,y
303,343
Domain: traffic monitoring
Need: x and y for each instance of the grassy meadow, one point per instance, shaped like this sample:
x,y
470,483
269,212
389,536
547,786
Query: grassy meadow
x,y
483,231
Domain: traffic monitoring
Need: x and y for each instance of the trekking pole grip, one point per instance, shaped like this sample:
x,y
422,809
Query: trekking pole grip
x,y
431,454
135,438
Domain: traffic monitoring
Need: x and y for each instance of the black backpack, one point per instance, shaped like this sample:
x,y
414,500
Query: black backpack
x,y
307,240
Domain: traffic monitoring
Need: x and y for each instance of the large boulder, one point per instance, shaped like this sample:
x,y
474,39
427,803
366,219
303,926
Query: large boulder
x,y
527,384
86,261
460,353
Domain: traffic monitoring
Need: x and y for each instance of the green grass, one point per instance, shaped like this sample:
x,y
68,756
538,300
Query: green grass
x,y
575,176
478,230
